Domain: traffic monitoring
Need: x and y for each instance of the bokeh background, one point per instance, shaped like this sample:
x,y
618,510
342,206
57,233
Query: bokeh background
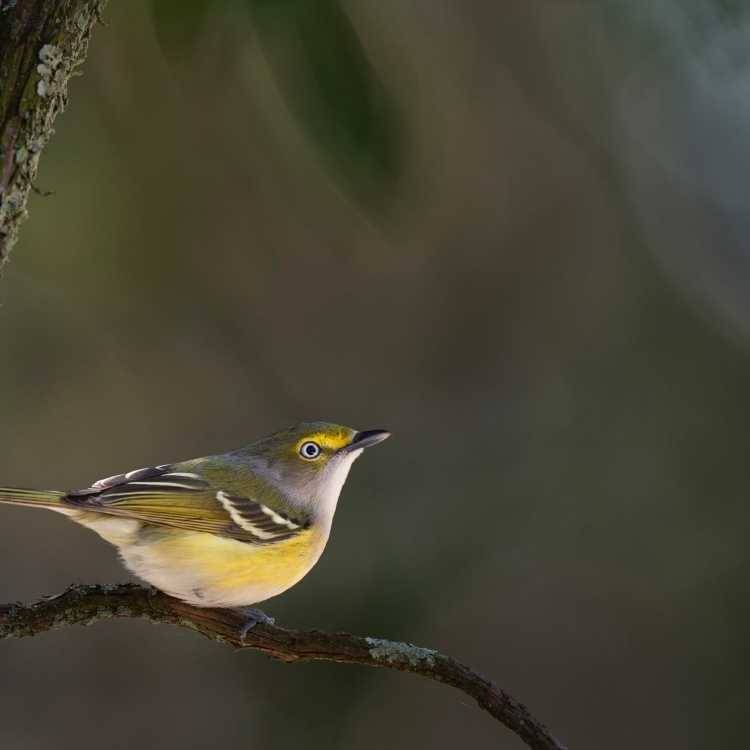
x,y
515,234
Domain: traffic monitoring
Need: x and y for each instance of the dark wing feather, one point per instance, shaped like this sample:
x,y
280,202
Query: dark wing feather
x,y
185,500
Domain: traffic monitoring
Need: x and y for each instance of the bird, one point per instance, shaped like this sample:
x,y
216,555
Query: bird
x,y
224,531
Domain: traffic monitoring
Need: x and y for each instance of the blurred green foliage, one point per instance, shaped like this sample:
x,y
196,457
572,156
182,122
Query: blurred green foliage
x,y
179,23
334,90
329,83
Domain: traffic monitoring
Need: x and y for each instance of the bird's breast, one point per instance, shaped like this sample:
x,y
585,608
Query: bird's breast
x,y
212,571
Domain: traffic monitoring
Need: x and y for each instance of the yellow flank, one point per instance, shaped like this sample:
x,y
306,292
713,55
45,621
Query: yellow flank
x,y
210,570
236,563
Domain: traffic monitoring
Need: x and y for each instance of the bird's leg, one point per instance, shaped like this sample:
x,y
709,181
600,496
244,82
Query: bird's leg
x,y
250,618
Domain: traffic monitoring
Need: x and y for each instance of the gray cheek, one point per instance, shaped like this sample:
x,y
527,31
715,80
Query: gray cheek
x,y
270,469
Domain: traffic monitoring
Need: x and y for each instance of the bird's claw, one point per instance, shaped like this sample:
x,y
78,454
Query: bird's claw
x,y
252,617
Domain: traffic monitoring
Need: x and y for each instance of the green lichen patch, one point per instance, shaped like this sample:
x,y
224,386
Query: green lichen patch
x,y
53,73
396,652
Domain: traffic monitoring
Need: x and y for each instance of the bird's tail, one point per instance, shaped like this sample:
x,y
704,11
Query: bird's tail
x,y
32,498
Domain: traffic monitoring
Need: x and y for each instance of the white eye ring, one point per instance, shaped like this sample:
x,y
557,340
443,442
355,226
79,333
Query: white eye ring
x,y
309,450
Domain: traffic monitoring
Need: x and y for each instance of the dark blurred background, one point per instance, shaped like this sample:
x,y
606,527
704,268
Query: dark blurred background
x,y
513,233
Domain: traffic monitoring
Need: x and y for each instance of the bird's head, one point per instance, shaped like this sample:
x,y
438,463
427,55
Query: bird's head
x,y
311,460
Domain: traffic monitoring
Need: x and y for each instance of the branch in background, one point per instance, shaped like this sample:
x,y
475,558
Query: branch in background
x,y
85,605
42,43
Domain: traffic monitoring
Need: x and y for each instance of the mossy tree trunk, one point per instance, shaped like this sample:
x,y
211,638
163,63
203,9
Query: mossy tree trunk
x,y
42,43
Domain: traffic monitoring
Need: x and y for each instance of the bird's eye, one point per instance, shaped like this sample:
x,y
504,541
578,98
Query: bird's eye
x,y
309,450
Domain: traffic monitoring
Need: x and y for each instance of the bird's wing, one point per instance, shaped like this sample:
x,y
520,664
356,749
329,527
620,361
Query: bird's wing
x,y
166,496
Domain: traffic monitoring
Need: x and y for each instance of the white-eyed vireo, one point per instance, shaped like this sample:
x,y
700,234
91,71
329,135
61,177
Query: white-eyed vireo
x,y
224,531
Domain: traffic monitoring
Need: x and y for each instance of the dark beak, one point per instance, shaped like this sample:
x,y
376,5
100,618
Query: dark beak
x,y
366,439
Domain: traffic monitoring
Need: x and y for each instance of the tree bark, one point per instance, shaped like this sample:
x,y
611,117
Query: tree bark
x,y
85,605
42,43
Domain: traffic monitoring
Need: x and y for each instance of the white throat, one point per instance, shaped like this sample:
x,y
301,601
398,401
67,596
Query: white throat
x,y
332,482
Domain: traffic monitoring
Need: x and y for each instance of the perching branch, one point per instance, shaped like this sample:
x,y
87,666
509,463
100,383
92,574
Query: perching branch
x,y
85,605
42,43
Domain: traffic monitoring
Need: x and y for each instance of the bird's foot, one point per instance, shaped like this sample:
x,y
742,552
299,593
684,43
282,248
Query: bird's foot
x,y
250,618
